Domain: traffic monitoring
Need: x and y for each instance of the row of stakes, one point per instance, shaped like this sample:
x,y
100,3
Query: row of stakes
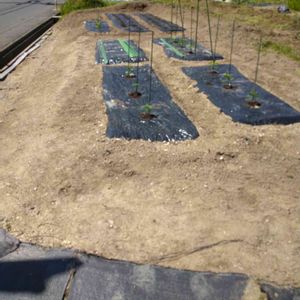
x,y
227,77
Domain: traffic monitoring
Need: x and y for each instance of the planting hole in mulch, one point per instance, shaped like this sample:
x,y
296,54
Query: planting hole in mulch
x,y
163,25
254,104
157,120
130,75
184,48
147,116
119,51
229,86
135,94
97,26
126,23
241,102
213,72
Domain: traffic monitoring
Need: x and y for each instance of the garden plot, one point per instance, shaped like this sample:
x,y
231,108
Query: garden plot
x,y
184,48
162,24
134,114
224,202
118,51
96,26
241,99
126,23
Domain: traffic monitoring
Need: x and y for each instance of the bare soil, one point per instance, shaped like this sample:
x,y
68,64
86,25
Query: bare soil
x,y
225,202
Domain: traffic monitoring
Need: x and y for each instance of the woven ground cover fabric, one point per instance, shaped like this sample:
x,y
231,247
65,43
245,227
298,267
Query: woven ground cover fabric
x,y
126,23
236,102
163,25
118,51
184,48
124,112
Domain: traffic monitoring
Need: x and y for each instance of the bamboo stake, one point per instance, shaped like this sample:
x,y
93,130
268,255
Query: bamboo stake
x,y
197,24
129,28
150,71
210,32
181,17
231,48
138,62
258,58
172,18
217,35
191,31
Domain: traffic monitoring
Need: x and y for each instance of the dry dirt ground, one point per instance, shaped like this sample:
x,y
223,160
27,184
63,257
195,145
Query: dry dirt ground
x,y
226,202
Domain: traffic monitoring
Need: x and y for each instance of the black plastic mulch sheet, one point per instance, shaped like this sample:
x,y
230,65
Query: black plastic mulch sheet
x,y
184,48
96,26
117,51
108,280
265,108
124,112
122,21
163,25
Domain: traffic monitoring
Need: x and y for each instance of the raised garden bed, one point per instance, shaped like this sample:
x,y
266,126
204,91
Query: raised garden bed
x,y
184,48
134,116
118,51
126,23
244,101
162,24
96,26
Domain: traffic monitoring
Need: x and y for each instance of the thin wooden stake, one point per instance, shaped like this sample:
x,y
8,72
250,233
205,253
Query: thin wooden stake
x,y
191,31
209,29
197,24
231,48
172,18
129,28
258,58
138,62
217,35
181,17
150,71
176,21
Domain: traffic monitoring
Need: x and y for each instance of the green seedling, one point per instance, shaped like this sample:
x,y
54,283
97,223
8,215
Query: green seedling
x,y
135,86
98,24
252,99
147,109
190,45
253,95
228,78
129,72
135,93
146,113
214,66
179,41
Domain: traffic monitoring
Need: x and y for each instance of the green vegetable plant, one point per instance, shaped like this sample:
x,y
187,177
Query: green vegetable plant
x,y
135,85
253,95
147,108
252,99
146,113
228,78
135,93
214,67
129,72
180,41
98,24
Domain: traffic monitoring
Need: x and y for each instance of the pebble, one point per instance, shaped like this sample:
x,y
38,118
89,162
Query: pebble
x,y
110,223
